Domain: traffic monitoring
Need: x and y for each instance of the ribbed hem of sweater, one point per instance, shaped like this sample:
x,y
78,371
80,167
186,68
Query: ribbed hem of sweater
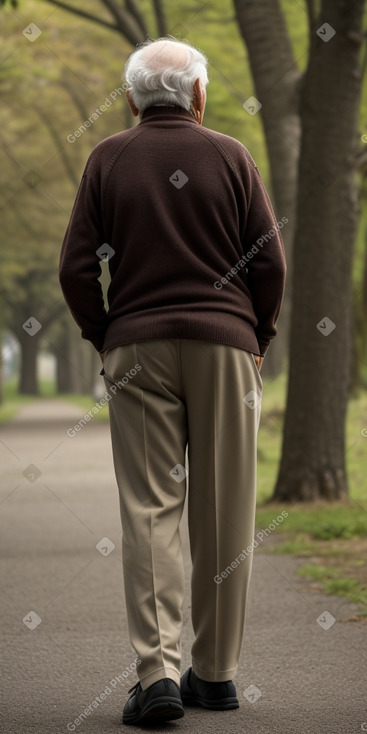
x,y
212,327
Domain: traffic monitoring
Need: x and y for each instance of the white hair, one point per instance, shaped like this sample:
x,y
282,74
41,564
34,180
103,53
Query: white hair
x,y
164,72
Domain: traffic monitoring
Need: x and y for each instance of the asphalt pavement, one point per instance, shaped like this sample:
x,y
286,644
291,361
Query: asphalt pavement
x,y
66,661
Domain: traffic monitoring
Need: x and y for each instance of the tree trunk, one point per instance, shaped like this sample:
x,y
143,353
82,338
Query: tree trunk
x,y
89,365
28,381
359,352
1,369
313,457
277,80
67,347
62,376
65,350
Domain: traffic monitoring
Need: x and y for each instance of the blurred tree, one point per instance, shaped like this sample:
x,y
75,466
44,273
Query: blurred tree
x,y
291,102
313,457
39,88
277,80
126,18
39,175
359,352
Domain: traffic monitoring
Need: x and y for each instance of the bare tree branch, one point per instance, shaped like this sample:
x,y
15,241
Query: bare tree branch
x,y
160,18
78,103
24,222
134,10
59,145
10,155
126,23
83,14
277,83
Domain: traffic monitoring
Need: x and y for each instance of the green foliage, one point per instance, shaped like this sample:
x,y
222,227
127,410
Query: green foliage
x,y
332,581
12,402
317,522
317,572
49,87
342,527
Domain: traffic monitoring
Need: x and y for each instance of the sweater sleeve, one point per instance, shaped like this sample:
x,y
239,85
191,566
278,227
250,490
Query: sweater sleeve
x,y
80,265
263,248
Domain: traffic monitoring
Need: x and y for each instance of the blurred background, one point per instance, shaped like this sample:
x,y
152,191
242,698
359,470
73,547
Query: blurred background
x,y
287,79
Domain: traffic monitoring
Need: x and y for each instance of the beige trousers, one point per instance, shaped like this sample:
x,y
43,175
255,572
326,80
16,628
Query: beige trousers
x,y
168,394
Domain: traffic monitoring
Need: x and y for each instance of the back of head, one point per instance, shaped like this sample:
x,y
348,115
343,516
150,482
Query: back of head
x,y
163,72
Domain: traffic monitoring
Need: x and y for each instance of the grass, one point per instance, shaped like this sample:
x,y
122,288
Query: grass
x,y
319,521
332,538
349,581
12,402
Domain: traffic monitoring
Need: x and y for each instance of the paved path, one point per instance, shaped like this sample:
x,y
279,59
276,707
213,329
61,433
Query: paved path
x,y
299,677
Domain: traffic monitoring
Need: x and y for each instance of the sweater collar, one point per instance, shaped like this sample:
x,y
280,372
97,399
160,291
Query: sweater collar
x,y
167,113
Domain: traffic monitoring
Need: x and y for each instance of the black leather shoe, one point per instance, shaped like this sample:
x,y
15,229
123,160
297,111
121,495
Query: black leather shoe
x,y
208,694
159,702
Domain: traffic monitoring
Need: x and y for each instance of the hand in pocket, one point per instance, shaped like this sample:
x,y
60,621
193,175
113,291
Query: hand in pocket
x,y
258,361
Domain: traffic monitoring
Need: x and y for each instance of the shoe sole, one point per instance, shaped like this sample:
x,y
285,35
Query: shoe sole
x,y
224,704
163,709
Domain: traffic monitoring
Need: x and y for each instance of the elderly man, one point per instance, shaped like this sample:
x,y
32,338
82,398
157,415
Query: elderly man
x,y
197,276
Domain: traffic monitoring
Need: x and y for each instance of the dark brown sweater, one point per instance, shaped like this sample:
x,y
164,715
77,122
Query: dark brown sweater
x,y
196,250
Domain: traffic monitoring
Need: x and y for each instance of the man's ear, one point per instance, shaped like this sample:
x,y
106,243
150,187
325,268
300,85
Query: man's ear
x,y
132,106
199,100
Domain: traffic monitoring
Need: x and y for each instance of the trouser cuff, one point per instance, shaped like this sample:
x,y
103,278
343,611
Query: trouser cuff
x,y
148,680
214,676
